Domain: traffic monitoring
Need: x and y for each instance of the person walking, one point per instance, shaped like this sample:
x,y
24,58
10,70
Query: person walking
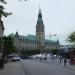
x,y
60,59
65,61
1,64
53,58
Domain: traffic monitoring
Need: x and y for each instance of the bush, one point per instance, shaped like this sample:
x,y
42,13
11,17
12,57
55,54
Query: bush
x,y
54,51
31,52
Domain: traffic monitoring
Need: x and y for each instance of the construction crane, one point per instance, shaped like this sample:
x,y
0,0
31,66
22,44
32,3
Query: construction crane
x,y
50,35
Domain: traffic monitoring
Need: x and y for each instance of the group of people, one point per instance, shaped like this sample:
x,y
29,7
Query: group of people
x,y
65,60
60,59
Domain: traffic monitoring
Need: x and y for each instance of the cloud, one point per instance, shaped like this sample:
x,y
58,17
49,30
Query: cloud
x,y
58,16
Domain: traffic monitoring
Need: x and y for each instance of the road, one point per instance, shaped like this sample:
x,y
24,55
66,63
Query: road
x,y
32,67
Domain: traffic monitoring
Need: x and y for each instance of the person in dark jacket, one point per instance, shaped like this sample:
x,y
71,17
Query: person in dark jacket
x,y
65,61
1,64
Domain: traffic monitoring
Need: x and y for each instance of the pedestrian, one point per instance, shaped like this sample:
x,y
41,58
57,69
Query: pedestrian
x,y
1,64
60,58
53,58
65,61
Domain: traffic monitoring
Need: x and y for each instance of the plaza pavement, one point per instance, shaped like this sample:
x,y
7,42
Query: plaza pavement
x,y
57,63
33,67
12,68
16,68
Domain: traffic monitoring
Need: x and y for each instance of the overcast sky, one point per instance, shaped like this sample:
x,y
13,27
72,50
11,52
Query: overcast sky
x,y
58,17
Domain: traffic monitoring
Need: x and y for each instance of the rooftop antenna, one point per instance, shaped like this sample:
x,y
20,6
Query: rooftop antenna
x,y
17,31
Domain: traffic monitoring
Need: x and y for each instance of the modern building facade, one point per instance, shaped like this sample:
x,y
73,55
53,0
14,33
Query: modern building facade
x,y
37,41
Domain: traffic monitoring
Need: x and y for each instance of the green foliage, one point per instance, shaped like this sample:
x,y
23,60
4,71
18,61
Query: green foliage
x,y
3,13
71,37
8,45
1,42
3,1
31,52
54,51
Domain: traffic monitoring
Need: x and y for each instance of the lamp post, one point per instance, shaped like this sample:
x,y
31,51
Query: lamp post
x,y
2,48
2,53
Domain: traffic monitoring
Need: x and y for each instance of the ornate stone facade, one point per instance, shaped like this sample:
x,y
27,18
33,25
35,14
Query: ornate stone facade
x,y
37,41
40,33
29,42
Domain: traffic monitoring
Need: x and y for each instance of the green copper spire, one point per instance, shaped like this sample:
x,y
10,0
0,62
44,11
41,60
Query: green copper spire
x,y
40,14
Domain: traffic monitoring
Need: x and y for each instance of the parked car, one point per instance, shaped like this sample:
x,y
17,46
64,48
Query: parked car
x,y
17,58
14,59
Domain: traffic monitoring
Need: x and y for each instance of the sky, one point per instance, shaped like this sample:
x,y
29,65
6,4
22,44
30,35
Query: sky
x,y
58,17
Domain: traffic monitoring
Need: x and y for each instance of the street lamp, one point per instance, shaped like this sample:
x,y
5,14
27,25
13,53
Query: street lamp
x,y
2,50
2,53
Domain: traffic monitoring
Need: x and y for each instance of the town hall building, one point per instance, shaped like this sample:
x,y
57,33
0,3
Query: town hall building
x,y
37,41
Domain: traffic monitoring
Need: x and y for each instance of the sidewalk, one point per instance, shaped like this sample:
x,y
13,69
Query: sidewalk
x,y
12,68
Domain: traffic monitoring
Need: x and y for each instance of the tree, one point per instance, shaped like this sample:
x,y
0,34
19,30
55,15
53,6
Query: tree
x,y
8,45
3,13
3,1
54,51
31,52
1,44
71,37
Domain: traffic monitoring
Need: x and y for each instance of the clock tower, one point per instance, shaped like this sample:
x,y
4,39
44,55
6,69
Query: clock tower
x,y
40,33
